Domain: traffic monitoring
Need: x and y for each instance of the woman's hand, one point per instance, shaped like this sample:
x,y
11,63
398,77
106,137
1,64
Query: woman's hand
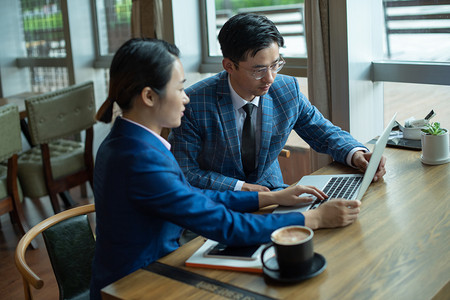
x,y
333,213
290,196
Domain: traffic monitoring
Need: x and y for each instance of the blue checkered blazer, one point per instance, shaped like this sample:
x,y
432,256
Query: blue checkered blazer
x,y
207,145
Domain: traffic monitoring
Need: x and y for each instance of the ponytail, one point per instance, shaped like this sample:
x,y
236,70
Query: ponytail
x,y
105,112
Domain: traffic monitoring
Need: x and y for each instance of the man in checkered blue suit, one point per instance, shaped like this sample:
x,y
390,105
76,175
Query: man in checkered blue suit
x,y
208,144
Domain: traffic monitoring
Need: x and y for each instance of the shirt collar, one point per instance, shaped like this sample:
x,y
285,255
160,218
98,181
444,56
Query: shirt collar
x,y
239,102
165,143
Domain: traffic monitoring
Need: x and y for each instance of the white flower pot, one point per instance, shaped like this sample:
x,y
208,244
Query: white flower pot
x,y
435,148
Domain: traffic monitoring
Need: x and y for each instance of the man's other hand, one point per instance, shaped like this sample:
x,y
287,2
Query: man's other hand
x,y
361,161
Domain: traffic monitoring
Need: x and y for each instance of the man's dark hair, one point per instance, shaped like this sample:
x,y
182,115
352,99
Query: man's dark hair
x,y
246,34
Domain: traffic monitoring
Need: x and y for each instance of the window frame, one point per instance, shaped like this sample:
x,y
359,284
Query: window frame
x,y
411,72
295,66
358,69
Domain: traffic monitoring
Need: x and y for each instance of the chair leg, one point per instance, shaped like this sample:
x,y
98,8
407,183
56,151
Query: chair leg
x,y
17,215
26,289
67,199
55,203
83,190
13,218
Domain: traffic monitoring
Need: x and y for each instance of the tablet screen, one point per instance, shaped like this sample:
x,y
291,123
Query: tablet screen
x,y
224,251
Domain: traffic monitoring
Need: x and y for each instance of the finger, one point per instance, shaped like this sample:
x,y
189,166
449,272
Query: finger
x,y
383,161
362,161
309,189
353,212
380,173
305,199
362,165
354,203
351,220
316,192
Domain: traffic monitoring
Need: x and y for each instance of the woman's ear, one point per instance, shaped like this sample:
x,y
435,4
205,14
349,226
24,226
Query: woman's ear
x,y
149,97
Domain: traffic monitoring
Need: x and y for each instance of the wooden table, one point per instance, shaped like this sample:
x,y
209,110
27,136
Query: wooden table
x,y
399,248
18,100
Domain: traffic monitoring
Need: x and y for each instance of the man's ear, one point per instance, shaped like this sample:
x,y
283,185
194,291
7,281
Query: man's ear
x,y
228,65
149,97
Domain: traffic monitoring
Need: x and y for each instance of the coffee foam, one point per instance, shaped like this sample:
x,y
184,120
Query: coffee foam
x,y
291,235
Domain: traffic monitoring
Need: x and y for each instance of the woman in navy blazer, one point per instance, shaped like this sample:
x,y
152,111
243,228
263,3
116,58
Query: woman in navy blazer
x,y
142,198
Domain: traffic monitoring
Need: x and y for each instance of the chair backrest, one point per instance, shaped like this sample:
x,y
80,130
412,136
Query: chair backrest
x,y
65,242
10,145
70,244
9,131
61,113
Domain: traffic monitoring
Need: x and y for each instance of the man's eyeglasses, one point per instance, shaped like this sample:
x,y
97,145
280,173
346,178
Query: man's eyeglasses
x,y
259,73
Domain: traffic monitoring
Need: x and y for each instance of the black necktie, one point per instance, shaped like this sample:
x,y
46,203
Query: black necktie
x,y
248,141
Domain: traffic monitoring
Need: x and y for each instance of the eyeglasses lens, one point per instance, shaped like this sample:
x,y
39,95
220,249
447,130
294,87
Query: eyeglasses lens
x,y
275,68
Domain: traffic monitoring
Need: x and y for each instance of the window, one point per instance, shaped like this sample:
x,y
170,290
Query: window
x,y
113,29
114,24
417,66
417,30
43,28
364,73
416,100
43,31
287,15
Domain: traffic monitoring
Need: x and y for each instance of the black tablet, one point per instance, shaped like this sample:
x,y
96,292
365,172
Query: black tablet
x,y
405,143
224,251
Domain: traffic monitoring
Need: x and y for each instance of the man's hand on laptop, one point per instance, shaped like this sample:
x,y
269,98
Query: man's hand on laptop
x,y
361,161
290,196
333,213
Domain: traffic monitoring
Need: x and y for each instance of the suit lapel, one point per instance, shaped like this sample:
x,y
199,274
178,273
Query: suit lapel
x,y
228,119
266,131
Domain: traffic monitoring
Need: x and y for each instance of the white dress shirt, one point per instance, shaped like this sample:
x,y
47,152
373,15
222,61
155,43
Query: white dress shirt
x,y
239,113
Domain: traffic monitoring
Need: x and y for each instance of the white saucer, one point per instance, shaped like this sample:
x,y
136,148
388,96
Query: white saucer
x,y
434,163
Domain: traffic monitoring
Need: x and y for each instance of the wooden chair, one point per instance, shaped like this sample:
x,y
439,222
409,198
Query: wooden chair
x,y
285,153
70,244
10,192
58,164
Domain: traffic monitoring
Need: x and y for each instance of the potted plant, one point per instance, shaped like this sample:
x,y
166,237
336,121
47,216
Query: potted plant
x,y
435,144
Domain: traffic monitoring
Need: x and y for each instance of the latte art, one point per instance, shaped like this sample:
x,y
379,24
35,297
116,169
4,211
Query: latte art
x,y
290,236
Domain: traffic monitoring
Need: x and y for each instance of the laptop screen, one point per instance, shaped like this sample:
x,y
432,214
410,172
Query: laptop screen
x,y
375,159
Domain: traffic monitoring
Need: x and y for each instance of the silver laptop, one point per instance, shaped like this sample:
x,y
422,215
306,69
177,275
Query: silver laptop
x,y
347,186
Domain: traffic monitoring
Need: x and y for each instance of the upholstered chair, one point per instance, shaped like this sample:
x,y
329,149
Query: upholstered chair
x,y
10,145
58,162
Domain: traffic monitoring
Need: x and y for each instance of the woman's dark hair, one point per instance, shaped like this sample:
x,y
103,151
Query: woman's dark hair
x,y
138,63
246,34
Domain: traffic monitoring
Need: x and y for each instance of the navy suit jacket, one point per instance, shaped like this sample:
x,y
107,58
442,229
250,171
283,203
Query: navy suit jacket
x,y
207,145
143,201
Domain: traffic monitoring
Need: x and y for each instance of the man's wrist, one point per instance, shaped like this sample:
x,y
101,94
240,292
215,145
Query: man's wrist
x,y
238,186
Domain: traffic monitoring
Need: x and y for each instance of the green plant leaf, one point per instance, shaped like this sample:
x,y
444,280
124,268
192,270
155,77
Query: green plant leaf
x,y
434,129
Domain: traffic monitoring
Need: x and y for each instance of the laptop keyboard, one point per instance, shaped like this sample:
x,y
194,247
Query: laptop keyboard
x,y
339,187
